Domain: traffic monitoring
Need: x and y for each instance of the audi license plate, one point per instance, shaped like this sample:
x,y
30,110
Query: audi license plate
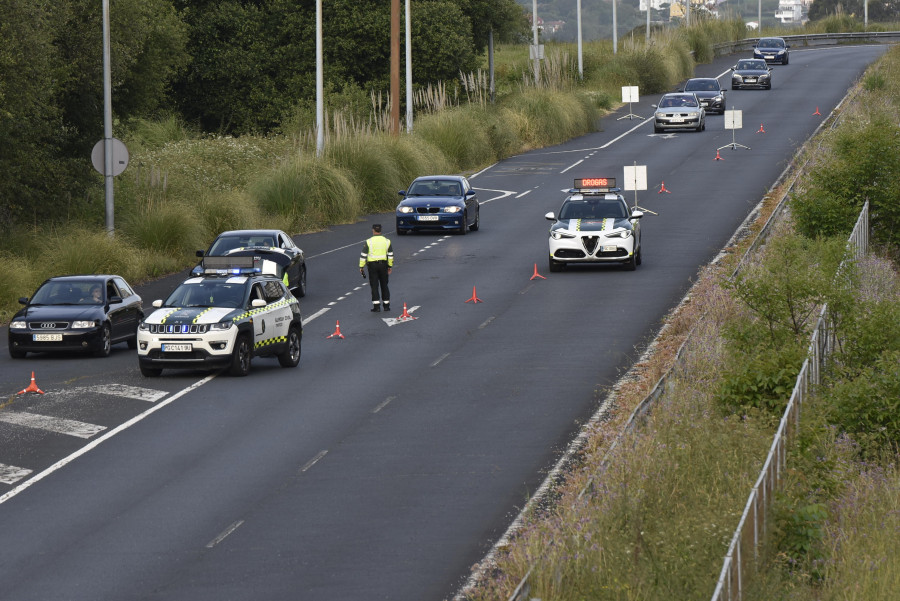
x,y
609,249
428,217
176,348
751,80
46,337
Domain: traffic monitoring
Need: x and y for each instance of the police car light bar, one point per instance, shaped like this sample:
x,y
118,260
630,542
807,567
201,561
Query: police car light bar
x,y
229,265
600,184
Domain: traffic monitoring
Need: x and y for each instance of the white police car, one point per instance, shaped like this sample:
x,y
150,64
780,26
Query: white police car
x,y
595,225
221,319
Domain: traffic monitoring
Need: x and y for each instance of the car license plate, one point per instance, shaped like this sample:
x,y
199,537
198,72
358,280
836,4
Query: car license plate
x,y
176,348
427,217
609,249
751,80
47,337
677,120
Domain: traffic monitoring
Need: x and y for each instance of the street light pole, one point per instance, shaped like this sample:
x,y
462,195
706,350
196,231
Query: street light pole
x,y
107,124
395,67
320,101
409,92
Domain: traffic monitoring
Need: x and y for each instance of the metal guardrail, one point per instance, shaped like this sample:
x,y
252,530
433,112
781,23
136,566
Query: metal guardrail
x,y
753,521
814,39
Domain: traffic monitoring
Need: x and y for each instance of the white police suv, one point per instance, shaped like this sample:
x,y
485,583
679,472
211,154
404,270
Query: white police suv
x,y
595,225
221,319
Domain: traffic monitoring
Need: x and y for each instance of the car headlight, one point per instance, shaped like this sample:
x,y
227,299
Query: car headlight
x,y
560,234
143,326
718,98
18,325
83,324
451,209
764,76
619,234
736,77
404,209
221,326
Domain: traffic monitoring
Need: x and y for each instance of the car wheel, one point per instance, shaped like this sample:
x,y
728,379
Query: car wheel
x,y
300,289
657,130
291,355
734,87
17,354
769,86
631,263
463,227
105,342
240,357
556,266
474,227
638,257
150,372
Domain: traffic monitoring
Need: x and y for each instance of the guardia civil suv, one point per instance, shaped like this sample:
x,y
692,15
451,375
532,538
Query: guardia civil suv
x,y
595,225
221,319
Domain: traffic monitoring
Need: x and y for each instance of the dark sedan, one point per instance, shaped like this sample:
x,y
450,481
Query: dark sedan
x,y
772,50
751,73
708,92
76,313
274,252
438,203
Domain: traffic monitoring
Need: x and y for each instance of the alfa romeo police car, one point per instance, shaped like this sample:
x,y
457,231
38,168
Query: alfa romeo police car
x,y
221,319
595,225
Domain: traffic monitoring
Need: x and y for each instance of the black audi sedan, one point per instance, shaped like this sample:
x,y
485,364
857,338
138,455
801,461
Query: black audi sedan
x,y
76,313
708,92
751,73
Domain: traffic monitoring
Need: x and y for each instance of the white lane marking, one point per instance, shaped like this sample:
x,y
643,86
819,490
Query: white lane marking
x,y
573,165
59,425
314,460
524,193
224,534
392,321
91,445
503,194
614,140
383,404
486,322
10,474
318,313
441,358
131,392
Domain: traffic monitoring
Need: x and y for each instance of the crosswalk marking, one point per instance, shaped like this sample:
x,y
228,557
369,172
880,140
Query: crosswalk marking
x,y
53,424
10,474
131,392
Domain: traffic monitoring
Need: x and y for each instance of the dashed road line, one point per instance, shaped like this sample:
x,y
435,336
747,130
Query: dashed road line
x,y
314,460
383,404
224,534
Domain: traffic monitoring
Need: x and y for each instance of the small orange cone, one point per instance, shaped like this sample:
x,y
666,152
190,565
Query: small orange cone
x,y
536,275
817,112
337,331
663,189
718,157
761,130
31,387
475,298
405,314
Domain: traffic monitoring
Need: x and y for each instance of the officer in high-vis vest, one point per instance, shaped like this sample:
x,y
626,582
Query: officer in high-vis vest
x,y
378,255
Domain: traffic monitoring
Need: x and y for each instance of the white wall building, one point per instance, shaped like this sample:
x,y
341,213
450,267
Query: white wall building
x,y
792,11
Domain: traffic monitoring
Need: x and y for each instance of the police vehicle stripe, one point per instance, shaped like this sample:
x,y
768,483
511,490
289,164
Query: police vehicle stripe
x,y
269,341
201,313
166,316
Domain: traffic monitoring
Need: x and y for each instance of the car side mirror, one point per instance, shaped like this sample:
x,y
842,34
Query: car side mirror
x,y
157,303
115,299
654,106
637,214
402,192
257,303
23,300
200,253
734,67
470,192
787,45
550,216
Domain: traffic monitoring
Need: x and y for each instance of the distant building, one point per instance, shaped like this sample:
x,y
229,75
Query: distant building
x,y
793,12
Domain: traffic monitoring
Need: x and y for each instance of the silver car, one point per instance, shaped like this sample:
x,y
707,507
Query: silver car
x,y
679,110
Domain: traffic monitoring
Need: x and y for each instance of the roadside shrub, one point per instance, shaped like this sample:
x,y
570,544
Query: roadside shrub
x,y
551,117
501,128
414,156
19,279
458,135
170,228
365,160
310,193
653,74
82,251
223,211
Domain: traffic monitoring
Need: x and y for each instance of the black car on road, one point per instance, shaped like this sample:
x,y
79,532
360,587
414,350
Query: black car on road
x,y
751,73
76,313
708,92
438,203
772,50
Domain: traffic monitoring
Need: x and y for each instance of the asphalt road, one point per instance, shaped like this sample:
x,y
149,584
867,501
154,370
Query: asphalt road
x,y
389,461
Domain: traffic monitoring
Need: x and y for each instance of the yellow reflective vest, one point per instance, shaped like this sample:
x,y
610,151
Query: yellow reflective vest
x,y
377,248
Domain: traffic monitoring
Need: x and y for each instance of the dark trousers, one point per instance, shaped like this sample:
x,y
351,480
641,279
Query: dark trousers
x,y
378,278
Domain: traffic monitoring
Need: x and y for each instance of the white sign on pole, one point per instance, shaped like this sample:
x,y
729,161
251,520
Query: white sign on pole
x,y
629,93
733,120
119,157
636,177
536,51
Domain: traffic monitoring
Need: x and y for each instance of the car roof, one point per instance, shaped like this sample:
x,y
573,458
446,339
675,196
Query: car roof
x,y
770,39
678,94
455,178
261,232
89,277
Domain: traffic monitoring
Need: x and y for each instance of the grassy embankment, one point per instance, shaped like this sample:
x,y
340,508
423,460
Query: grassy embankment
x,y
657,523
181,188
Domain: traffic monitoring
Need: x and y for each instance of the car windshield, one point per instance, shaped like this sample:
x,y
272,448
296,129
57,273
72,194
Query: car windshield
x,y
702,85
677,101
581,209
223,244
771,43
750,65
208,293
435,187
69,292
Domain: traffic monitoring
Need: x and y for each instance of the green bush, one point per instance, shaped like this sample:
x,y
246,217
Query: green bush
x,y
550,117
371,169
82,251
19,279
760,379
458,135
170,228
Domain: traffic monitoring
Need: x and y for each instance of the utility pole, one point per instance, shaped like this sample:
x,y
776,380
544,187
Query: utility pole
x,y
395,67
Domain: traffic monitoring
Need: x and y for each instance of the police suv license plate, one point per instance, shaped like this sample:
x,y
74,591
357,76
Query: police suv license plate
x,y
428,217
609,249
46,337
176,348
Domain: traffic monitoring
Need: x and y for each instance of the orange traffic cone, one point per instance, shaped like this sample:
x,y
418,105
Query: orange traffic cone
x,y
663,189
536,275
405,314
475,298
337,331
817,112
718,156
761,130
31,387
